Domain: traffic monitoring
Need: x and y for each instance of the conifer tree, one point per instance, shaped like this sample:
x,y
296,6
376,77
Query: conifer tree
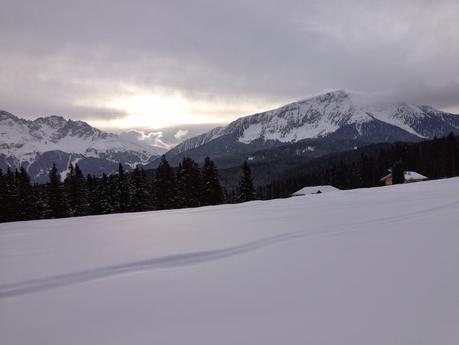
x,y
212,192
188,184
10,196
246,189
24,196
3,200
104,203
140,191
439,159
93,194
56,197
82,205
368,172
164,184
398,173
40,200
452,155
76,193
121,191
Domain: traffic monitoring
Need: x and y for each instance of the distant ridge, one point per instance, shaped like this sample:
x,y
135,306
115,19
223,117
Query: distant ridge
x,y
36,144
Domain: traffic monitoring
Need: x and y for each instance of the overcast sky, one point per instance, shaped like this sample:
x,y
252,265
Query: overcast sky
x,y
154,63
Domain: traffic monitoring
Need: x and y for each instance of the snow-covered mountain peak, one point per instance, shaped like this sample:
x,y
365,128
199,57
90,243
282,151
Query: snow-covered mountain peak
x,y
52,121
4,115
324,114
24,142
341,113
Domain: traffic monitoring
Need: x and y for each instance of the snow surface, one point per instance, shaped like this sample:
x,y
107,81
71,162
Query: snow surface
x,y
315,190
370,266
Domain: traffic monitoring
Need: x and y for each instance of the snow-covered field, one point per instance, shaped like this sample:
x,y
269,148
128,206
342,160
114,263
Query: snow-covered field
x,y
364,267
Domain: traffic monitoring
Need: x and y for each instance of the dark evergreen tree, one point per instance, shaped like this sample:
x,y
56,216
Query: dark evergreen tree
x,y
339,175
40,200
140,196
56,198
439,159
366,171
121,191
24,196
10,197
188,184
81,206
93,194
398,175
451,155
3,200
164,186
104,203
212,192
246,189
76,192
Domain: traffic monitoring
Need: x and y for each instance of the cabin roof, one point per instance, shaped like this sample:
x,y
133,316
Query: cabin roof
x,y
386,177
315,189
413,175
408,175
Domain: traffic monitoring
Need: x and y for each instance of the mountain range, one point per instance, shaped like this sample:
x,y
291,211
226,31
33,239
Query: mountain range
x,y
322,121
330,122
37,144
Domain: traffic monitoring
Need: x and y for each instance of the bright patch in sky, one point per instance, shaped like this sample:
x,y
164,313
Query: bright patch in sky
x,y
160,110
154,111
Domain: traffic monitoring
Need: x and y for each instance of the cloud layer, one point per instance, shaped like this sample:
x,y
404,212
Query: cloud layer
x,y
223,59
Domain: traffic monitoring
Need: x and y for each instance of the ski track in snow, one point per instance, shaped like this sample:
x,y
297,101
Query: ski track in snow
x,y
169,261
192,258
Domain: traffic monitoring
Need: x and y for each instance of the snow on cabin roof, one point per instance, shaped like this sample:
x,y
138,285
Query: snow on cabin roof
x,y
315,190
409,176
386,177
413,175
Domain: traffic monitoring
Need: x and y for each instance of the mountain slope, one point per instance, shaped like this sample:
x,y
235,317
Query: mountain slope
x,y
37,144
337,115
371,266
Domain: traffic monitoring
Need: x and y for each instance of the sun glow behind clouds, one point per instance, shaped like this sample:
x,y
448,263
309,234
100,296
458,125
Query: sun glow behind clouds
x,y
159,110
154,111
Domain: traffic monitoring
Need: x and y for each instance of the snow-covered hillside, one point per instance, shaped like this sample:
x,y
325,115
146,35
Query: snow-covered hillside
x,y
371,266
337,114
35,144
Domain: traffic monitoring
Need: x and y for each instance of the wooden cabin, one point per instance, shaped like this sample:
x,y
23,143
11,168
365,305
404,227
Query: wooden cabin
x,y
409,177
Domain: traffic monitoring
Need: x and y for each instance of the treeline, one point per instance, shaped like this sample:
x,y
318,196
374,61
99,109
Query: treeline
x,y
191,186
79,195
437,158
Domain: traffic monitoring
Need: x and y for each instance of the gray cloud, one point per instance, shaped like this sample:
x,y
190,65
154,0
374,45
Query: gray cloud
x,y
167,137
181,133
60,56
154,138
